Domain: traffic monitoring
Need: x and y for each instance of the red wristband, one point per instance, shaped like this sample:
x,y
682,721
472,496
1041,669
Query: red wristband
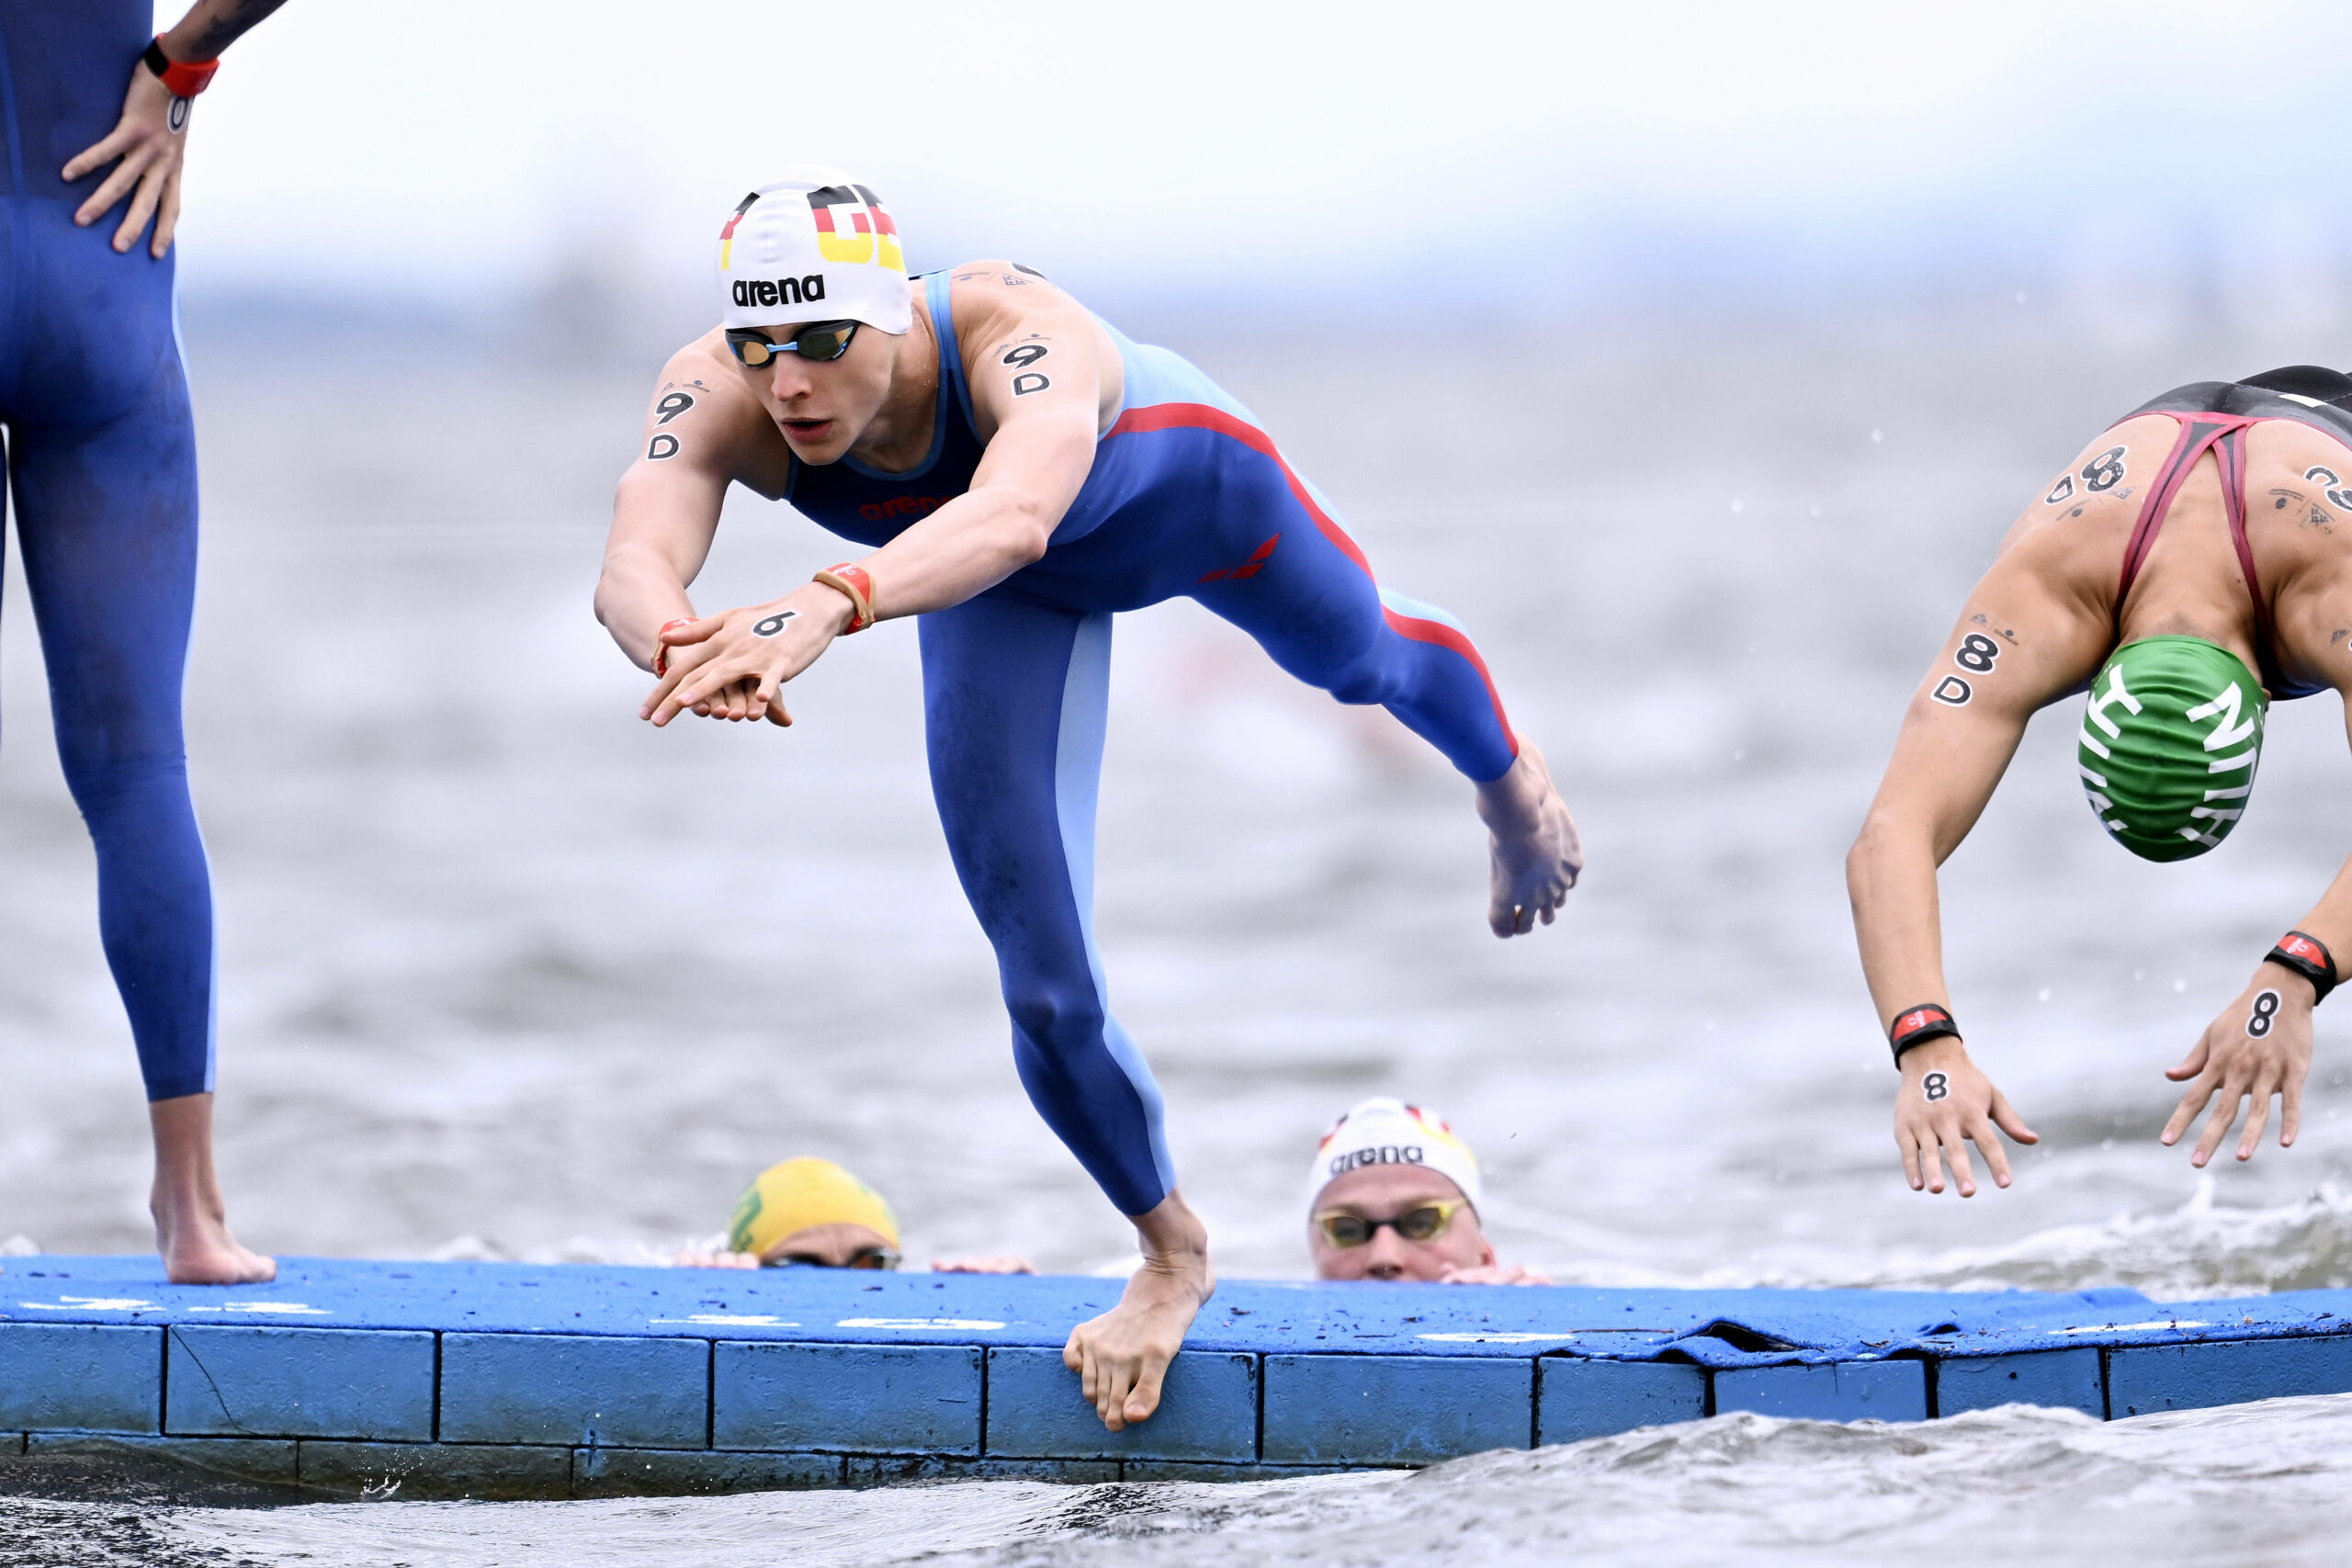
x,y
181,78
661,649
857,585
2307,956
1916,1026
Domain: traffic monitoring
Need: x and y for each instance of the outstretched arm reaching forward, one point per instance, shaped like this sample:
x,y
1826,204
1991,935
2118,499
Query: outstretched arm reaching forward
x,y
151,139
2022,641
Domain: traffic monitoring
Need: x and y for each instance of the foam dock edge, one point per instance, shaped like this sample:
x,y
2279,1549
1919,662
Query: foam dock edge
x,y
476,1379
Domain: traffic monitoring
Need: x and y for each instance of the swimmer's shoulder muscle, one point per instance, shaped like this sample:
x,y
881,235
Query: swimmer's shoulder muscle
x,y
1028,345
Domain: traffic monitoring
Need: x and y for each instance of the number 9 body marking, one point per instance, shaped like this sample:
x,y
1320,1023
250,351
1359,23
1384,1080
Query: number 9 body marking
x,y
773,624
2266,1013
672,406
1935,1086
1021,359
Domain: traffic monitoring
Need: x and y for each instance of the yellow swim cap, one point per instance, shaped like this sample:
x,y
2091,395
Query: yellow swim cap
x,y
789,1197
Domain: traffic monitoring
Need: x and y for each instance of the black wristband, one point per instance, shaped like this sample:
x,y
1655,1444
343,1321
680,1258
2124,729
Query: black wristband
x,y
154,59
1916,1026
2307,956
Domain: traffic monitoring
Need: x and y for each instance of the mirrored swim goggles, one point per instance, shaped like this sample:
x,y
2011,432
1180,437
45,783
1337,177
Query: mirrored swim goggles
x,y
823,341
879,1258
1424,1221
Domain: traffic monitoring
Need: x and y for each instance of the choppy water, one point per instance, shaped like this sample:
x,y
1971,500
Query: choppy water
x,y
507,974
2269,1484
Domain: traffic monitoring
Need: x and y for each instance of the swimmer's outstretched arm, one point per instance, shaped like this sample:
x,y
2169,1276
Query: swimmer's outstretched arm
x,y
2022,641
2260,1046
150,138
1037,366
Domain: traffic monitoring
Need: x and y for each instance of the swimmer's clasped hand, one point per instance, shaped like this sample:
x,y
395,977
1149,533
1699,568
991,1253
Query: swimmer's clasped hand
x,y
733,666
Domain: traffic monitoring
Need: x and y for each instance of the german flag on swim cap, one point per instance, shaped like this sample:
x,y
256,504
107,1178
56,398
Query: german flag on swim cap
x,y
1386,1131
813,246
2169,745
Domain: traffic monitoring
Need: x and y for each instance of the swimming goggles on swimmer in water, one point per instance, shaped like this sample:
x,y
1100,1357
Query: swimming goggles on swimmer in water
x,y
1424,1221
869,1258
820,340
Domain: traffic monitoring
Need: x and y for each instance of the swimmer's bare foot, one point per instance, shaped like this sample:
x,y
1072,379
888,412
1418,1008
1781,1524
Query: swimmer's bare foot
x,y
191,1223
1537,856
1122,1356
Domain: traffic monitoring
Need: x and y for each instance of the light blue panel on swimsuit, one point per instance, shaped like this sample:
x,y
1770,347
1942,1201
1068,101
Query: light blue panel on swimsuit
x,y
2145,1378
1845,1390
575,1388
85,1377
2058,1380
1369,1410
883,1399
1577,1398
232,1381
1208,1410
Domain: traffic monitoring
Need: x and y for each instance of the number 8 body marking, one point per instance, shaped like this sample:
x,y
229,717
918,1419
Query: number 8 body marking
x,y
773,624
1976,653
1935,1086
2266,1011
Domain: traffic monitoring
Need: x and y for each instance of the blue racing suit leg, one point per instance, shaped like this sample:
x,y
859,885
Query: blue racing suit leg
x,y
1014,701
101,466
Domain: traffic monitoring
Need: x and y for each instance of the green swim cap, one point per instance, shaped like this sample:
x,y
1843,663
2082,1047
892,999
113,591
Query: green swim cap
x,y
2169,744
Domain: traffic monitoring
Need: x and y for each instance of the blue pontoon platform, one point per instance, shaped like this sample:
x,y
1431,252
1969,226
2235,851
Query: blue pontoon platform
x,y
517,1380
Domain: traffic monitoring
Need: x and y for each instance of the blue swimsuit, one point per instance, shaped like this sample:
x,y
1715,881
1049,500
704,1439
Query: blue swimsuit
x,y
1187,496
101,468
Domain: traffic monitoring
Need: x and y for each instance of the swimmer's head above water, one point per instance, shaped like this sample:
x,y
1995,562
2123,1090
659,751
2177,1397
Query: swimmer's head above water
x,y
803,264
811,1212
1393,1195
2169,744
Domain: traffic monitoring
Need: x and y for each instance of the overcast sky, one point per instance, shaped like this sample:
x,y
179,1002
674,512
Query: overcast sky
x,y
432,146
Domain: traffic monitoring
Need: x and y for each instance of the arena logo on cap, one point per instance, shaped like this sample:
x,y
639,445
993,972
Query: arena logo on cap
x,y
1387,1154
871,235
808,290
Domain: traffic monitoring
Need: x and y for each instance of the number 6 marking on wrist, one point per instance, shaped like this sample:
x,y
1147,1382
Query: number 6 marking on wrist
x,y
773,624
2266,1009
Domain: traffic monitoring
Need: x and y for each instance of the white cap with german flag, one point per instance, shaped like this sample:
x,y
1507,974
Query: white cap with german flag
x,y
1385,1131
813,246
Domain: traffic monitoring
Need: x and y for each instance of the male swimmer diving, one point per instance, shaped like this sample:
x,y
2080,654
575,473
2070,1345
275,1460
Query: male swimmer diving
x,y
101,468
2207,537
1020,472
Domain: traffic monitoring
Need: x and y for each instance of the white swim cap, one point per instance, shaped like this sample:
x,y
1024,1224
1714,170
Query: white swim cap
x,y
813,246
1383,1130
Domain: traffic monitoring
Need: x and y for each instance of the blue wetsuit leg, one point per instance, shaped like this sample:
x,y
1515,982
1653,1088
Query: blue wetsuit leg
x,y
101,464
1014,700
1198,499
1313,606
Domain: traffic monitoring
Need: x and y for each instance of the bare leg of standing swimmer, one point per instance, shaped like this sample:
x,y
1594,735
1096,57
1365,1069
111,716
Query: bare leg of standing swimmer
x,y
191,1221
1122,1357
1537,855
